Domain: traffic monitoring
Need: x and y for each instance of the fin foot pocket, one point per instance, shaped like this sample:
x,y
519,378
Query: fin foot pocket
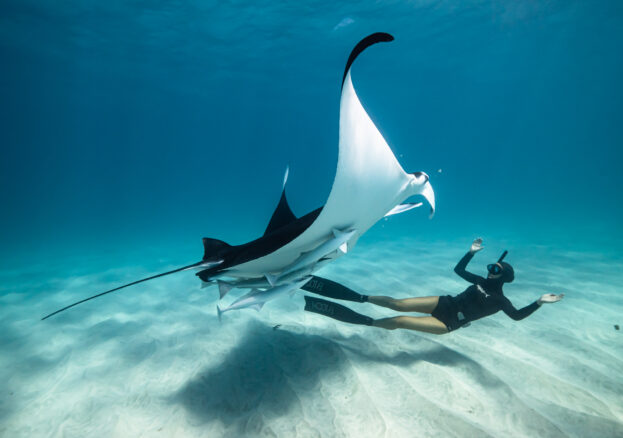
x,y
332,289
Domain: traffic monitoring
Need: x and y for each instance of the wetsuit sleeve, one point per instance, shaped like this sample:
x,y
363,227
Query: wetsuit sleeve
x,y
515,314
462,272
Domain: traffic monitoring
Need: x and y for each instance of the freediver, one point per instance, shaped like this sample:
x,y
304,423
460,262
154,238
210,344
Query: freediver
x,y
447,313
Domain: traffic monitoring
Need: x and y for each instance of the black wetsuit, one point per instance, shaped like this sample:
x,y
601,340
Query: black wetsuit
x,y
483,298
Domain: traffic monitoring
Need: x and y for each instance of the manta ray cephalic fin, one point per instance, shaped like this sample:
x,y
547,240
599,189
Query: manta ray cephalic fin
x,y
402,208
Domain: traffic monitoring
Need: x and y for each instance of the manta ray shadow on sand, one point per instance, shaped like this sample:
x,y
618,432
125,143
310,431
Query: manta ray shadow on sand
x,y
270,372
264,372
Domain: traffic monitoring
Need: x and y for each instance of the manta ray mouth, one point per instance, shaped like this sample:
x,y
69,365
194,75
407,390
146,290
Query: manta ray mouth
x,y
419,175
421,186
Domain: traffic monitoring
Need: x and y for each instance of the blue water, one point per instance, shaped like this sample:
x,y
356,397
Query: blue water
x,y
130,130
134,124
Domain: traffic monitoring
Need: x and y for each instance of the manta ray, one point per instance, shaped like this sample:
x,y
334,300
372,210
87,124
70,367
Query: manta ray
x,y
369,184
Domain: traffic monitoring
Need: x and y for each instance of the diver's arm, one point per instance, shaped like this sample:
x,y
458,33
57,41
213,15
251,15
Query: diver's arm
x,y
522,313
462,264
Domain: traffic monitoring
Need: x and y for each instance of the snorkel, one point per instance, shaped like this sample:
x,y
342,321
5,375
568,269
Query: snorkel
x,y
501,269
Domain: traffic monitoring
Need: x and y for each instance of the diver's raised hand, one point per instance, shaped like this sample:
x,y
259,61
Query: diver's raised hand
x,y
550,298
476,245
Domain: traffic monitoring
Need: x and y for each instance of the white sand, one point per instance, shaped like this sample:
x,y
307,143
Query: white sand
x,y
154,361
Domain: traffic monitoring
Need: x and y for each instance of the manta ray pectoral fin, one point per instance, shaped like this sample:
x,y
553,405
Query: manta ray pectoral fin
x,y
401,208
205,284
223,288
343,247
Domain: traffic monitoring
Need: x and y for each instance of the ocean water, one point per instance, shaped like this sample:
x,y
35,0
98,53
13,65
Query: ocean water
x,y
130,130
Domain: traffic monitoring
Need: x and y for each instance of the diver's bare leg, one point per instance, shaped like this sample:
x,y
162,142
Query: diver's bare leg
x,y
428,324
420,304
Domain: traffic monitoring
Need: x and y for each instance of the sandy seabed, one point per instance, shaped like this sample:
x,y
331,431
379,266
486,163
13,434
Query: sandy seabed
x,y
154,361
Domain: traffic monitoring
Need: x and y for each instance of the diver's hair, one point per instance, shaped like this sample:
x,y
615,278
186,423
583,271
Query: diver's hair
x,y
508,273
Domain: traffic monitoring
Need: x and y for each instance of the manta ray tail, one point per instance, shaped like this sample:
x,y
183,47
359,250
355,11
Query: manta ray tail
x,y
120,287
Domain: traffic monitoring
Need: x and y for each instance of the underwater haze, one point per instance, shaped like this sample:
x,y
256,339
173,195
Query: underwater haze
x,y
130,130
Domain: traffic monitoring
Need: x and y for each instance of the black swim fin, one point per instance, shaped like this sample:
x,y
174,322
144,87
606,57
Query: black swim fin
x,y
331,289
335,311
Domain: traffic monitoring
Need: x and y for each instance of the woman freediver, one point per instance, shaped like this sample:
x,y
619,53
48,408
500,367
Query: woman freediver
x,y
447,313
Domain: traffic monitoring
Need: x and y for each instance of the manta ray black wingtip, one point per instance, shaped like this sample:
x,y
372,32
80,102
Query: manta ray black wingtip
x,y
378,37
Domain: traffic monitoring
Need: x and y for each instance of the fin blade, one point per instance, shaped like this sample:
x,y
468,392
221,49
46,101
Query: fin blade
x,y
335,311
